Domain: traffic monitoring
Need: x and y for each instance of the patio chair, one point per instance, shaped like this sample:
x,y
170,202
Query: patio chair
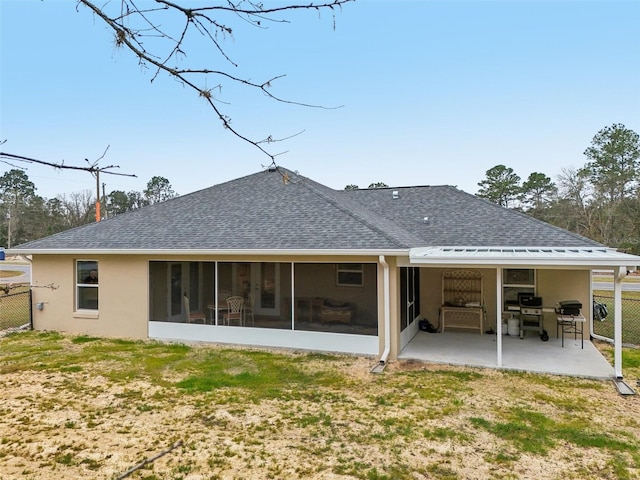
x,y
220,305
234,311
193,317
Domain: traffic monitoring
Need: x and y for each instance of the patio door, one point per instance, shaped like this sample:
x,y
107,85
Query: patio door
x,y
175,282
265,287
409,296
183,277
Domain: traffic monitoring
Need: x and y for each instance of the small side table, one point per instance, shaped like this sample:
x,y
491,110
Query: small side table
x,y
212,312
571,324
310,303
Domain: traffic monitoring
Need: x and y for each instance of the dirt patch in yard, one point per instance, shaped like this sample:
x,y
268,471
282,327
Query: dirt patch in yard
x,y
414,421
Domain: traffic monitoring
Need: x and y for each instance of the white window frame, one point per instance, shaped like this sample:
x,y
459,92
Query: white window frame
x,y
516,284
347,268
81,285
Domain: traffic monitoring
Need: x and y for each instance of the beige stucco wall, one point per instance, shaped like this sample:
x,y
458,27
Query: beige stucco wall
x,y
431,292
123,292
552,285
558,285
322,277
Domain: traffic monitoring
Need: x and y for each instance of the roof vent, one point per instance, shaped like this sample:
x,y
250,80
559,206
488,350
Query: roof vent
x,y
395,194
427,220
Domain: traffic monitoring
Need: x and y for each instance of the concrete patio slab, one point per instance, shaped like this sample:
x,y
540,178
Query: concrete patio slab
x,y
529,354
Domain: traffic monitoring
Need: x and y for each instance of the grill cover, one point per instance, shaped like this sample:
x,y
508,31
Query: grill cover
x,y
569,307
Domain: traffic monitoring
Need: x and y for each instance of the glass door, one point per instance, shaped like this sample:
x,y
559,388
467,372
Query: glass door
x,y
409,296
265,286
176,289
183,278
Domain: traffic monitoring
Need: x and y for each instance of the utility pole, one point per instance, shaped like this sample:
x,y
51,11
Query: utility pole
x,y
97,174
9,229
93,169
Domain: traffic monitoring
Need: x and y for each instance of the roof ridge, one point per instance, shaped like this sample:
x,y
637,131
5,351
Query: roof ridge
x,y
353,210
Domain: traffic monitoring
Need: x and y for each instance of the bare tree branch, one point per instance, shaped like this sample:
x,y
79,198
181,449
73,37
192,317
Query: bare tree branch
x,y
92,168
133,26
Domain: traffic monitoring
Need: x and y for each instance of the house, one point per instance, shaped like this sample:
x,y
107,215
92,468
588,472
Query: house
x,y
346,271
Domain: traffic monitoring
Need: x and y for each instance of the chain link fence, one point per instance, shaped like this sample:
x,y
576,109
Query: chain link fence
x,y
630,319
15,312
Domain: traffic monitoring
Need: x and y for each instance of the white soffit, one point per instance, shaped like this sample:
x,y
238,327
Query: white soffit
x,y
567,256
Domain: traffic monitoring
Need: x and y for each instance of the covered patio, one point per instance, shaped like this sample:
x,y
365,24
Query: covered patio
x,y
528,355
562,268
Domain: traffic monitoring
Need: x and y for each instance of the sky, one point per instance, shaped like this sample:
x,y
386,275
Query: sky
x,y
430,93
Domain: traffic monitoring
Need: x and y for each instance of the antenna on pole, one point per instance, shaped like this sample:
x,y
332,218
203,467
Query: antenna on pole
x,y
93,169
98,217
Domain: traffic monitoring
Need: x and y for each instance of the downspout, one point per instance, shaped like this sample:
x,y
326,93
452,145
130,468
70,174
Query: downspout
x,y
387,311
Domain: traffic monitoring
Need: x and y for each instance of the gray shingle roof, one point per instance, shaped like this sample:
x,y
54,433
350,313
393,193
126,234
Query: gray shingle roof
x,y
457,218
282,210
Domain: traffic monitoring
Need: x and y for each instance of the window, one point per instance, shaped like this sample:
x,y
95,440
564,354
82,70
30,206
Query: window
x,y
519,276
86,285
350,275
515,281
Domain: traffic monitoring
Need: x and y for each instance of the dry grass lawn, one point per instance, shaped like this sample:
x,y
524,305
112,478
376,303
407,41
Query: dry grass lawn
x,y
80,407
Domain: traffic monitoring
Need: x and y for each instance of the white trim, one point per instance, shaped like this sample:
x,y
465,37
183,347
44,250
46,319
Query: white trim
x,y
523,256
81,285
408,333
617,322
292,307
349,270
266,337
209,252
499,306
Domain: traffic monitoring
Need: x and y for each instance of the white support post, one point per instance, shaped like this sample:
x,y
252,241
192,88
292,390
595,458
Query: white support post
x,y
293,297
617,320
215,291
499,315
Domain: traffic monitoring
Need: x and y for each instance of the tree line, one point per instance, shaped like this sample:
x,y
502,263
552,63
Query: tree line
x,y
26,216
600,200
